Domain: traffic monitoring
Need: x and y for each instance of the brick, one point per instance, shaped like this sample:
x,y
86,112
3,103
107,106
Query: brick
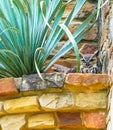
x,y
69,120
56,101
20,105
41,121
86,82
12,122
90,101
7,87
95,120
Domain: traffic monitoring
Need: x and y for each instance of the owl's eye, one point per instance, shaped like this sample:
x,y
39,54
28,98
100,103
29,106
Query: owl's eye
x,y
92,60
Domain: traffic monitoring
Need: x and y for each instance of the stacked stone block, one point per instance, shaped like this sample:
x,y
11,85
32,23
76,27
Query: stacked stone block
x,y
61,102
90,38
106,55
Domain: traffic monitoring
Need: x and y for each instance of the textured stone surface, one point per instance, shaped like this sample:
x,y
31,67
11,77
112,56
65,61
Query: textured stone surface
x,y
7,86
95,120
18,82
67,63
56,101
41,121
91,36
1,109
69,120
12,122
88,48
86,82
51,80
91,100
85,47
85,11
105,9
20,105
58,47
107,55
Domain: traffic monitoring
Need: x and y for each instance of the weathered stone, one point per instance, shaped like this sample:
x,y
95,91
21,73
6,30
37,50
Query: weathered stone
x,y
105,9
7,87
58,47
69,120
1,109
91,36
85,47
105,63
109,126
56,101
91,100
86,82
95,120
34,82
85,11
70,63
109,119
41,121
20,105
88,48
18,82
12,122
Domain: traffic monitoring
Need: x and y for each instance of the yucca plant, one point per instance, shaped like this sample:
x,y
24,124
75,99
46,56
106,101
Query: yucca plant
x,y
29,32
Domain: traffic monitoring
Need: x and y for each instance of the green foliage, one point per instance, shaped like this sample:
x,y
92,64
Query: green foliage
x,y
29,32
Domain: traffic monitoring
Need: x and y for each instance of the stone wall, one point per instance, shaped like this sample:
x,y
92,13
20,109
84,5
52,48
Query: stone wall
x,y
60,102
91,38
106,54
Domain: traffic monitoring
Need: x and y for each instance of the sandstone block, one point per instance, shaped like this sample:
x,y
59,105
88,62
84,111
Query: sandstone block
x,y
70,63
86,82
18,82
85,11
7,86
69,120
51,80
109,126
91,100
12,122
88,48
58,47
1,109
41,121
85,47
91,36
20,105
56,101
95,120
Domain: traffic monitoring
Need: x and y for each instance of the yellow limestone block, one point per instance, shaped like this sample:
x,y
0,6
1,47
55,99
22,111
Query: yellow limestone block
x,y
56,101
91,100
20,105
1,109
41,121
12,122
